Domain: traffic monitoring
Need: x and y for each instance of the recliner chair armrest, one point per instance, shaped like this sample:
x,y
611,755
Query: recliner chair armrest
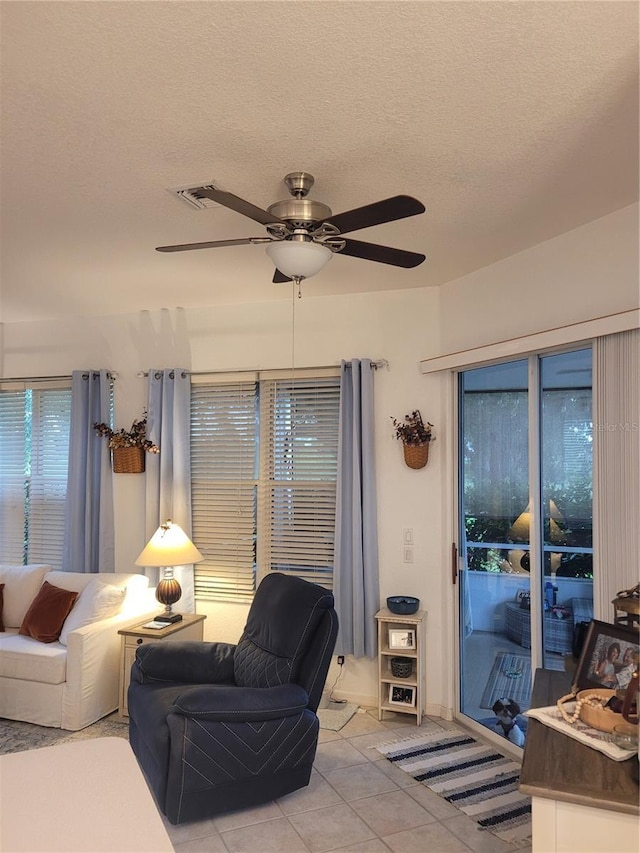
x,y
187,662
241,704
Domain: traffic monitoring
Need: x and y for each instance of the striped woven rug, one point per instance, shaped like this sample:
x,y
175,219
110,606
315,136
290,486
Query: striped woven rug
x,y
476,778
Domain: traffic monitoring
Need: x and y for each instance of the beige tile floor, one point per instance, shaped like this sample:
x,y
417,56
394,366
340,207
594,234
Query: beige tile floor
x,y
356,802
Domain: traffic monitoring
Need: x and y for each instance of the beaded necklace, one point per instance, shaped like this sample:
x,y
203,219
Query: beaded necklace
x,y
593,700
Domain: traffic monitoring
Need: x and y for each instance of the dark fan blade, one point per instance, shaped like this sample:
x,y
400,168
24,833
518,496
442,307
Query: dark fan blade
x,y
387,210
239,205
381,254
280,277
185,247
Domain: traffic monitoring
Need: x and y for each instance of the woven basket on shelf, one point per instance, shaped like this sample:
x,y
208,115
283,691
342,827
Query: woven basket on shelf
x,y
401,667
127,460
416,455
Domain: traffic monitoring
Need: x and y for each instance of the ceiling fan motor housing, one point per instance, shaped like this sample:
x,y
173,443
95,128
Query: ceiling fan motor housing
x,y
300,212
299,183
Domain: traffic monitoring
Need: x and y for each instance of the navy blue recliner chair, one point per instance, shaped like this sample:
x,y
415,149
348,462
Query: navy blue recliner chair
x,y
217,726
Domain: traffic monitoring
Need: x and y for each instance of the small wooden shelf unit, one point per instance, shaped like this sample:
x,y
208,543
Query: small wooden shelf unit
x,y
388,621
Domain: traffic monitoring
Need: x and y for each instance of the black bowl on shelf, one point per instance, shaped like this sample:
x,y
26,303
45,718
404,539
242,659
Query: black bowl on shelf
x,y
403,605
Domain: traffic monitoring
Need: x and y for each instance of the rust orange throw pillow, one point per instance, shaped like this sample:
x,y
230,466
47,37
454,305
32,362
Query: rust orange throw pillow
x,y
46,614
1,606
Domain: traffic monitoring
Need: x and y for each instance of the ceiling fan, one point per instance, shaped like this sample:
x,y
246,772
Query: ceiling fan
x,y
303,234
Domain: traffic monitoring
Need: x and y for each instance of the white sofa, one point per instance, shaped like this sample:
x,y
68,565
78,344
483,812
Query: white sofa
x,y
73,681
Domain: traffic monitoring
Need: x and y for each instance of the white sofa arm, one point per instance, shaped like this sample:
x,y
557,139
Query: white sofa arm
x,y
93,661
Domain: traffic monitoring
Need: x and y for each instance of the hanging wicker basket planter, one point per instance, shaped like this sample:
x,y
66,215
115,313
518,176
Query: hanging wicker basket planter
x,y
416,455
128,447
415,436
127,460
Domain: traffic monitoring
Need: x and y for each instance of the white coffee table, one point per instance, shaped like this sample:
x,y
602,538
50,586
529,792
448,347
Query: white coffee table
x,y
78,797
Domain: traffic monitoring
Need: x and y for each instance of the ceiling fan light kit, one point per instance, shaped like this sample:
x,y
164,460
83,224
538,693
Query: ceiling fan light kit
x,y
299,260
303,234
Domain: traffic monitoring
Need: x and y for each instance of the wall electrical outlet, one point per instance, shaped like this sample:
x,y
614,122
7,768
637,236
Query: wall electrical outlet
x,y
408,554
340,660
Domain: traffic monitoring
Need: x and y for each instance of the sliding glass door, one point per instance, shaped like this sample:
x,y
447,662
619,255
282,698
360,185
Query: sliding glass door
x,y
525,547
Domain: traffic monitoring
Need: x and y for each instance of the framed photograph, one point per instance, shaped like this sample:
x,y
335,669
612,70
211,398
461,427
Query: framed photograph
x,y
402,695
607,657
403,638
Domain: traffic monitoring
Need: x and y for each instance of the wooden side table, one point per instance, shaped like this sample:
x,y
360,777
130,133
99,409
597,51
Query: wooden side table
x,y
395,693
190,627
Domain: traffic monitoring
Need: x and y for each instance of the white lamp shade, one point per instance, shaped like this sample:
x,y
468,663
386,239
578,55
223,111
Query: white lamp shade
x,y
554,512
521,526
169,546
300,259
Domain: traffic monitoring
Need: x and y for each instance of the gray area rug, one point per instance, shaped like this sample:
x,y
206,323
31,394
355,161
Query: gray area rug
x,y
16,736
333,719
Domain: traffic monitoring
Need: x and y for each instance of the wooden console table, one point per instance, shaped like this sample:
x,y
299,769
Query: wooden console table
x,y
582,799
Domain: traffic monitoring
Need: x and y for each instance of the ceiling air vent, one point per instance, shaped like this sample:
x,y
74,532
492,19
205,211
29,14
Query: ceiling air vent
x,y
191,196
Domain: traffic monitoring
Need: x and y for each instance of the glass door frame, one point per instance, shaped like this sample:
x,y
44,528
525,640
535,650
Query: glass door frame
x,y
536,575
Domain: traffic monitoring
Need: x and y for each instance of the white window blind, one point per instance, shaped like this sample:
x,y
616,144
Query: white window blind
x,y
298,487
264,466
616,468
34,457
12,475
224,470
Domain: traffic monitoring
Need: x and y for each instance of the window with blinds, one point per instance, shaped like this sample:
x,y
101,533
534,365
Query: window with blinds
x,y
264,453
34,455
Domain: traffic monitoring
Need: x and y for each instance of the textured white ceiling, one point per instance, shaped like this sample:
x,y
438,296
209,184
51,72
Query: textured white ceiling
x,y
511,121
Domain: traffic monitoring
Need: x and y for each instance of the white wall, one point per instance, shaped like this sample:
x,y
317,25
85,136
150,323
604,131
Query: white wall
x,y
582,274
391,325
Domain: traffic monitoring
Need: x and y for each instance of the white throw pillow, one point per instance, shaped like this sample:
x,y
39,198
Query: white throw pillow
x,y
21,585
96,601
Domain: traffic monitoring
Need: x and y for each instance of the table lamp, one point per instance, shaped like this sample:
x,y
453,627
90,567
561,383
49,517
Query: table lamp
x,y
168,547
520,532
